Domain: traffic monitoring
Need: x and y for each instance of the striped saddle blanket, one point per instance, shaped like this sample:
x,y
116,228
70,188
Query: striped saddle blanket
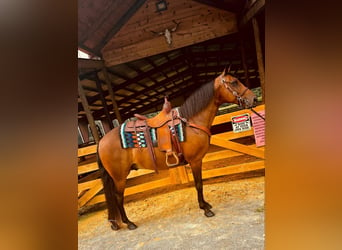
x,y
136,139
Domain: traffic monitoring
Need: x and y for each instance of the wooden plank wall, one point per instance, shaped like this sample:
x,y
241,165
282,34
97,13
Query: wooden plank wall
x,y
198,22
89,189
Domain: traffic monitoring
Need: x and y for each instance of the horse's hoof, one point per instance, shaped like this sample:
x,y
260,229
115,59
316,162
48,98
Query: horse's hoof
x,y
208,205
208,213
132,226
115,227
205,205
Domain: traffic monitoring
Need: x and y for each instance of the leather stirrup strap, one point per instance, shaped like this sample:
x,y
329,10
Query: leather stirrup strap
x,y
150,147
174,138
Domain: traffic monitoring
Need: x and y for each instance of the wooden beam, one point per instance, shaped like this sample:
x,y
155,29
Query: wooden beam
x,y
98,113
161,83
234,7
228,170
140,72
219,119
87,168
155,66
252,11
147,186
87,75
182,91
95,188
118,75
182,74
103,18
179,59
104,103
244,61
120,23
112,95
89,64
220,155
146,74
88,112
92,99
187,53
87,150
260,58
218,141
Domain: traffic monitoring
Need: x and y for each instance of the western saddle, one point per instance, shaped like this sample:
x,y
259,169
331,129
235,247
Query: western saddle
x,y
167,136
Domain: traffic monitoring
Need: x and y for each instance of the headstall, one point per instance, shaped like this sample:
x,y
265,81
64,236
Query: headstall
x,y
238,96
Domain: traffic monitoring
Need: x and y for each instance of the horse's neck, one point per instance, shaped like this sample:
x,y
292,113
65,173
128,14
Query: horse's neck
x,y
206,116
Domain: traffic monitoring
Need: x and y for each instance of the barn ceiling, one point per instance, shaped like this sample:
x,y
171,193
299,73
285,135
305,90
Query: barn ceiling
x,y
99,21
140,85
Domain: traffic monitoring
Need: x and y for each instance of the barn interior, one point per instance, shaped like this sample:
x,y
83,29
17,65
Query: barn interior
x,y
139,51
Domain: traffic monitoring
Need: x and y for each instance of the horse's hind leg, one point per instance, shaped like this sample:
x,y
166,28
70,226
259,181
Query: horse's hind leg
x,y
196,168
119,194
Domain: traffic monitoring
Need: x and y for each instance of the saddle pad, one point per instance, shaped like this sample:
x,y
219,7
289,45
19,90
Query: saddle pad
x,y
137,139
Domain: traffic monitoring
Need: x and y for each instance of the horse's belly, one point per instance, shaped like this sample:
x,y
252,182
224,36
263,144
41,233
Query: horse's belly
x,y
143,159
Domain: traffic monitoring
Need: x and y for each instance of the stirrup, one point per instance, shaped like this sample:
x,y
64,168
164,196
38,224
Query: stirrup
x,y
171,153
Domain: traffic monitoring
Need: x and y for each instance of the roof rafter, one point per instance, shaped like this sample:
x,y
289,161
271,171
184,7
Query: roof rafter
x,y
120,23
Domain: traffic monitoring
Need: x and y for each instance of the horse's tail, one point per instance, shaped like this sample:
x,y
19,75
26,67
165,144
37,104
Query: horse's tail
x,y
109,190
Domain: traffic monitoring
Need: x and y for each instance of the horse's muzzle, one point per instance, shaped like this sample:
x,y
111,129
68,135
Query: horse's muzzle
x,y
249,103
255,101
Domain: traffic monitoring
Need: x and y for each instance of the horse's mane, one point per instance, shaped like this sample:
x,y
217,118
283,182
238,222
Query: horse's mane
x,y
197,101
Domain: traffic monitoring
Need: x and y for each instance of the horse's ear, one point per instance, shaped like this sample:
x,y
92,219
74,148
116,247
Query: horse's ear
x,y
226,70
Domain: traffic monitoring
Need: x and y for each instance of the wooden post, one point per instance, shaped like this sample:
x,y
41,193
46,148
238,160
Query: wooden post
x,y
243,60
259,57
104,103
88,112
112,96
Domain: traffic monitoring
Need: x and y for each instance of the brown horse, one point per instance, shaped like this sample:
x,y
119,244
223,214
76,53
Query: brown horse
x,y
199,109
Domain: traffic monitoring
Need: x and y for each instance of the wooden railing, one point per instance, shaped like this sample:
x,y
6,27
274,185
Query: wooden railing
x,y
228,147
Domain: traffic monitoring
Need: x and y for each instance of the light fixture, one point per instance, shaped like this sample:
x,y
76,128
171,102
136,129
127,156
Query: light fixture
x,y
161,5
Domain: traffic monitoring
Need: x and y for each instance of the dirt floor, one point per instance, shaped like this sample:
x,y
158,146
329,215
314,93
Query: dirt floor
x,y
173,220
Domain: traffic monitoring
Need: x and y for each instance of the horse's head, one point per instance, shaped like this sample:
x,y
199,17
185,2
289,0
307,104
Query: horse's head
x,y
230,90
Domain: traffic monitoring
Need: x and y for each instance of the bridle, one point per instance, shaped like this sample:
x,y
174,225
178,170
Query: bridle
x,y
238,96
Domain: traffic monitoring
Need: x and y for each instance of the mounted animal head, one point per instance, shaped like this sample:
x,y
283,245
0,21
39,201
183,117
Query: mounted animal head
x,y
167,33
230,90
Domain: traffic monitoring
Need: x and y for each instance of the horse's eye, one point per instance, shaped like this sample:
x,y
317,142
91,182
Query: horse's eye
x,y
234,83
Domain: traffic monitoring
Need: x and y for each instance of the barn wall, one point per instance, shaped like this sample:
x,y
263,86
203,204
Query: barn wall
x,y
197,23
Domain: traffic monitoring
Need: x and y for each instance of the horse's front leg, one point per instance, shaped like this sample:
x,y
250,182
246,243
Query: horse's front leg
x,y
196,168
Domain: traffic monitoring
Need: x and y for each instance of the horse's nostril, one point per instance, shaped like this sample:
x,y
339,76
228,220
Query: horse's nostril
x,y
255,99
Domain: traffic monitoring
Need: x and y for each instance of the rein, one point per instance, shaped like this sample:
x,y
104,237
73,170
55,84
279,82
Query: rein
x,y
258,114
